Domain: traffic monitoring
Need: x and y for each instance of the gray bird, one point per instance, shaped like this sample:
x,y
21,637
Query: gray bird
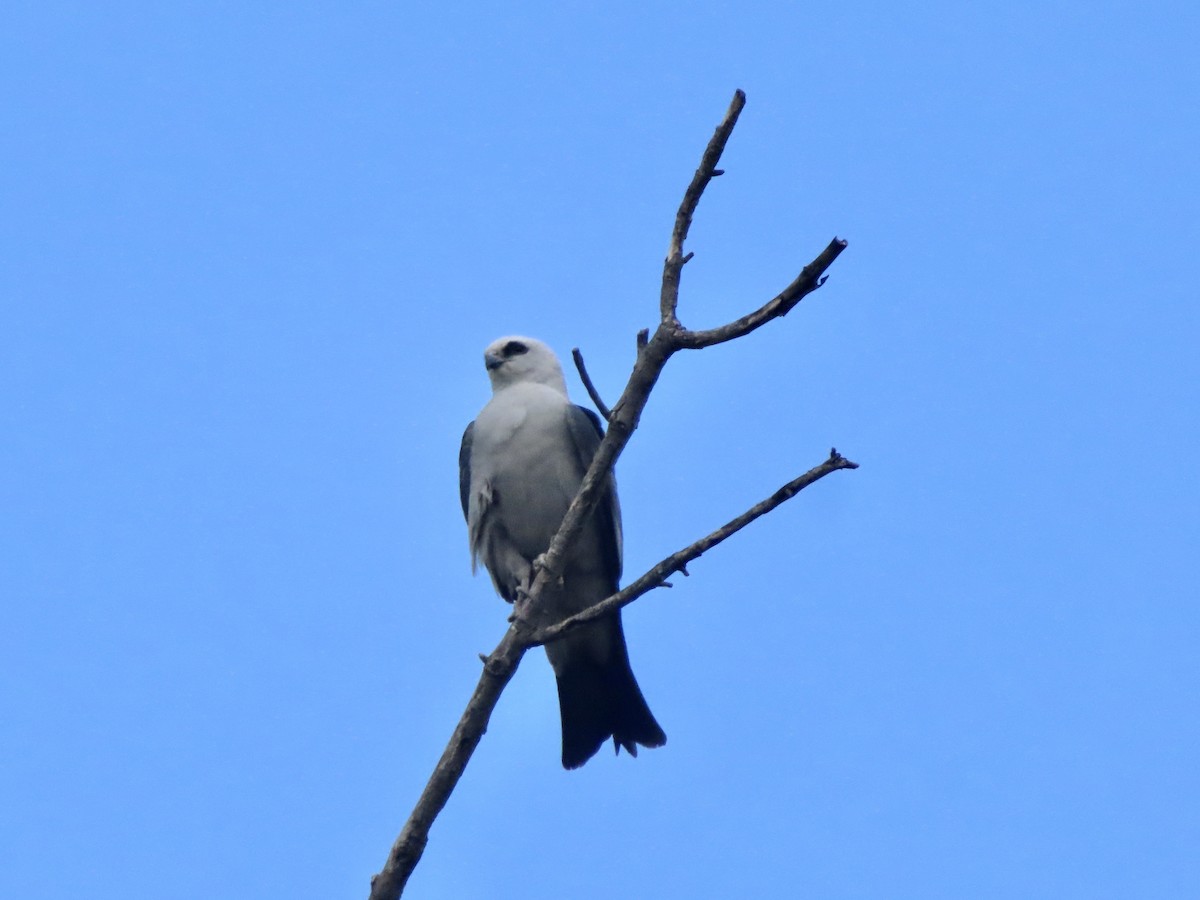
x,y
520,466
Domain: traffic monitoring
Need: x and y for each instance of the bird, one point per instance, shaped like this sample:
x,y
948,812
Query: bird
x,y
521,463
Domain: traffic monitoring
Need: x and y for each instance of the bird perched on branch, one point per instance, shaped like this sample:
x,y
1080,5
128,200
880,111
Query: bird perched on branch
x,y
521,464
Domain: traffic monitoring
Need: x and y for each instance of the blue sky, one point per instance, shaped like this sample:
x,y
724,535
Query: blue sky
x,y
250,255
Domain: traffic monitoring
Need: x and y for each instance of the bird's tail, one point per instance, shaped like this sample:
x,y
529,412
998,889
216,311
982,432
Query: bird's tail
x,y
599,698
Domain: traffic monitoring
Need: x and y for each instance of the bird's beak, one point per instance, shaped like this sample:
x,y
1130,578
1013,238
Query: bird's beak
x,y
492,361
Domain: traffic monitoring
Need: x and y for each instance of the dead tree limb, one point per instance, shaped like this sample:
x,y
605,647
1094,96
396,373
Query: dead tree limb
x,y
653,353
605,412
677,562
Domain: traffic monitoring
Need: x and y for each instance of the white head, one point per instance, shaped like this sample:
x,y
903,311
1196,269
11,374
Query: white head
x,y
521,360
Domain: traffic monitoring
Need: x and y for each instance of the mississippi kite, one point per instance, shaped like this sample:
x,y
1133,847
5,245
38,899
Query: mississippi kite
x,y
520,466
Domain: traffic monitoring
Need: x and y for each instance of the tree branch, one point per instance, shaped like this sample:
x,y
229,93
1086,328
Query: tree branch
x,y
653,353
677,562
669,298
605,412
498,670
810,278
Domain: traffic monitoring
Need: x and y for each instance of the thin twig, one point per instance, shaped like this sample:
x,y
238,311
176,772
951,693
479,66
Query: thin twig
x,y
810,278
677,562
669,298
605,412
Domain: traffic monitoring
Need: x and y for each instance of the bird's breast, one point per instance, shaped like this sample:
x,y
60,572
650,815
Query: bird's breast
x,y
517,419
523,457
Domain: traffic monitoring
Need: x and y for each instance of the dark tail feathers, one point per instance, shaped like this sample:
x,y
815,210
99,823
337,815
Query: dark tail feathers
x,y
602,700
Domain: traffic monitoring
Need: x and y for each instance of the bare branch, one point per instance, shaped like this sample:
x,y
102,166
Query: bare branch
x,y
605,412
677,562
498,670
653,353
501,665
669,298
810,278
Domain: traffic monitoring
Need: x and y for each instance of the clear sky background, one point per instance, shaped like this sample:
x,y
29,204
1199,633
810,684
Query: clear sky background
x,y
250,255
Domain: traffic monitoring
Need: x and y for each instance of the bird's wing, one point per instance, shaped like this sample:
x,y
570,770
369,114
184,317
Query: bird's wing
x,y
464,469
586,433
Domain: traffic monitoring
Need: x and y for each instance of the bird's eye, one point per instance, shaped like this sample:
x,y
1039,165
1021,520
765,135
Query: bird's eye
x,y
515,348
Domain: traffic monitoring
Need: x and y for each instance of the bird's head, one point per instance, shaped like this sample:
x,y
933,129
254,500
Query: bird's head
x,y
521,360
